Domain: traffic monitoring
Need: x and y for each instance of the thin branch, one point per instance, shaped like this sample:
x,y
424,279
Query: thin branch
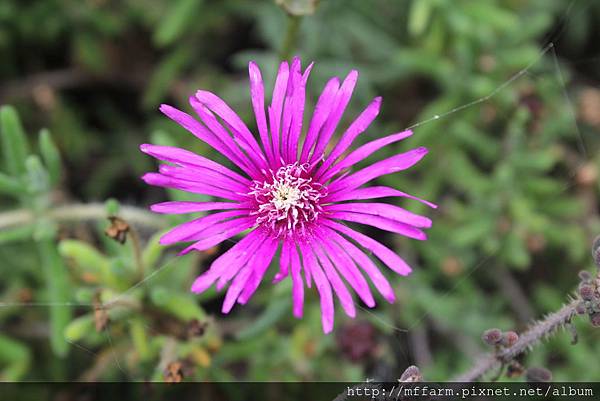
x,y
527,341
79,212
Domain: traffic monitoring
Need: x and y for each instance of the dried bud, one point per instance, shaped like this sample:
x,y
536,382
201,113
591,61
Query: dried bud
x,y
586,291
411,374
595,319
195,328
596,250
581,309
585,276
509,338
514,370
118,229
174,372
538,375
492,336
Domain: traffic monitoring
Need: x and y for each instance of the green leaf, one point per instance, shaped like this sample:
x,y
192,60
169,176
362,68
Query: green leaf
x,y
15,234
182,306
173,25
14,142
38,179
10,185
80,328
15,356
418,18
51,156
57,282
274,312
164,75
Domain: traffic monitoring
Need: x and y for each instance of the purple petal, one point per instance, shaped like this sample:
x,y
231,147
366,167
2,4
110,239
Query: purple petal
x,y
380,282
297,285
161,180
336,282
186,158
259,266
322,110
385,254
276,108
372,193
383,210
381,223
342,99
236,288
229,262
284,262
203,176
196,128
347,268
390,165
225,138
219,233
257,93
192,207
187,230
359,125
251,243
362,153
290,107
323,287
220,108
298,116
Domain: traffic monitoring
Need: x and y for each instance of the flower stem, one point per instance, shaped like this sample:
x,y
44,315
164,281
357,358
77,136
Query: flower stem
x,y
291,36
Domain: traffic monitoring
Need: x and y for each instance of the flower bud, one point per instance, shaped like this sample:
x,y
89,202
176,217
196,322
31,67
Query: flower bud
x,y
411,374
509,338
492,336
540,375
580,309
585,276
595,319
586,291
596,250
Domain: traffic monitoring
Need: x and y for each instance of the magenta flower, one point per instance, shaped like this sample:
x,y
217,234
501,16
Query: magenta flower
x,y
290,190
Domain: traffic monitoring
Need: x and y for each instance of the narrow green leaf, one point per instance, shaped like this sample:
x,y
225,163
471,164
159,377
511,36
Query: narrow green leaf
x,y
10,185
79,328
16,358
15,234
38,179
173,25
139,338
14,142
57,282
51,156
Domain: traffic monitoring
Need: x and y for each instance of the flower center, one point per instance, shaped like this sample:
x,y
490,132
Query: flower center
x,y
288,201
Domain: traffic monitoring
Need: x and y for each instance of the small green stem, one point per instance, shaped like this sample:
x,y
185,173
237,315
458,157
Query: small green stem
x,y
291,37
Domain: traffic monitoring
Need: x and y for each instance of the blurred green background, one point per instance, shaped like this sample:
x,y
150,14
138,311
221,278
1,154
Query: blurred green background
x,y
515,175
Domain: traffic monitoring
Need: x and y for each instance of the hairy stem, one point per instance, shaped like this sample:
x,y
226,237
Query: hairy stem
x,y
78,212
529,339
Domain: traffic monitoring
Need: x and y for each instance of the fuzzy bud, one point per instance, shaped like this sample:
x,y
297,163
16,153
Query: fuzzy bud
x,y
411,374
509,338
538,375
596,250
585,276
580,309
492,336
595,319
586,291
